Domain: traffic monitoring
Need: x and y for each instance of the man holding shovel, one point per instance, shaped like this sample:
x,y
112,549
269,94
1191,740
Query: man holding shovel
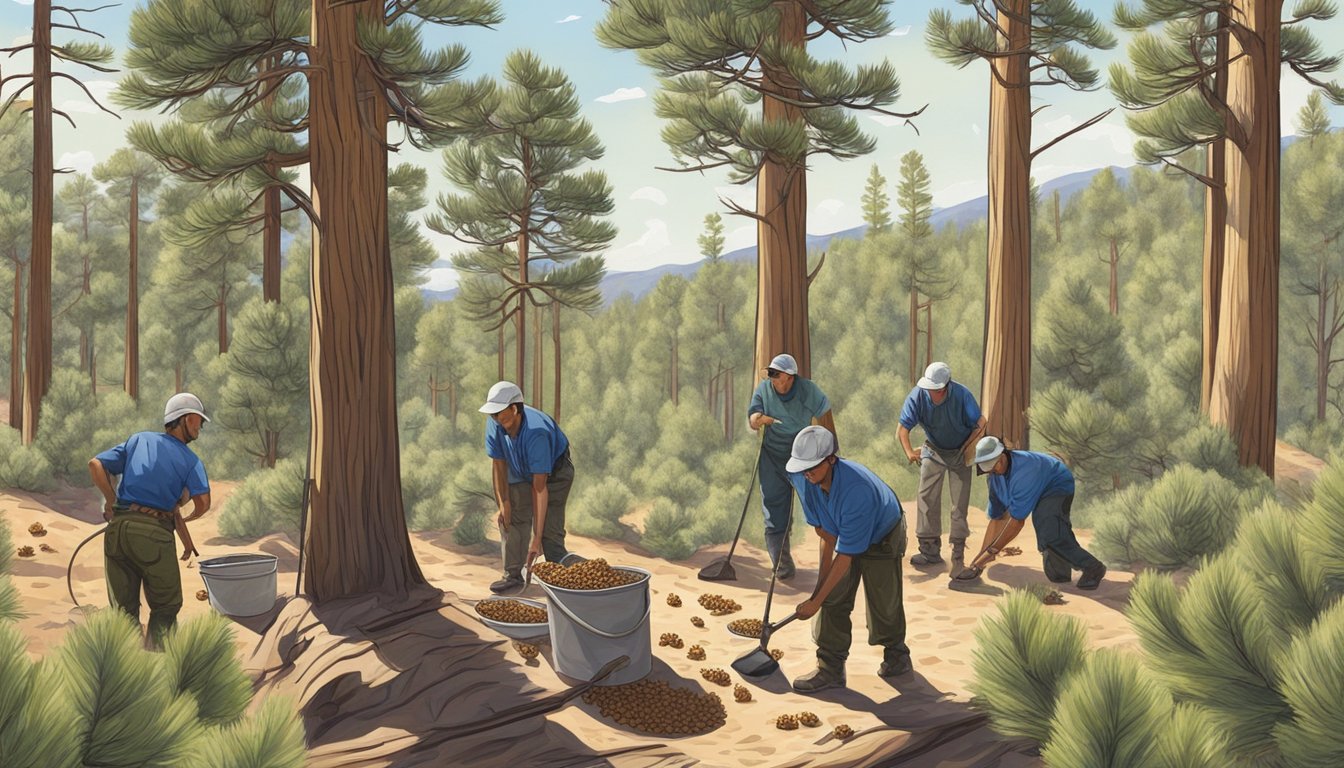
x,y
1023,483
532,475
158,472
952,423
786,403
862,532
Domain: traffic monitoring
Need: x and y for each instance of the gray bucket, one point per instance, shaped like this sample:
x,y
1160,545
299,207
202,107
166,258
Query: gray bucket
x,y
590,627
240,585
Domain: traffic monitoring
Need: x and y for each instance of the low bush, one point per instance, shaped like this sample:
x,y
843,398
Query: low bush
x,y
597,510
268,501
666,530
21,466
1108,712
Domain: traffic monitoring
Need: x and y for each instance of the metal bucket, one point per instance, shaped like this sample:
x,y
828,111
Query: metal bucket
x,y
240,585
590,627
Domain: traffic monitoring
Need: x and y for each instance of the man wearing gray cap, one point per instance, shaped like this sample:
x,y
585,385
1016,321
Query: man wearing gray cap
x,y
862,532
532,475
952,423
786,403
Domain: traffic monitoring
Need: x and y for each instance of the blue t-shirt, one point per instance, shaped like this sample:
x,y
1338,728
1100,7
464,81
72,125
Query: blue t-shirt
x,y
795,409
859,510
1030,477
946,424
154,468
534,451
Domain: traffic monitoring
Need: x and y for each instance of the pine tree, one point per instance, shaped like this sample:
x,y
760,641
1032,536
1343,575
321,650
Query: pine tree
x,y
922,270
711,240
1025,43
717,60
1313,120
876,205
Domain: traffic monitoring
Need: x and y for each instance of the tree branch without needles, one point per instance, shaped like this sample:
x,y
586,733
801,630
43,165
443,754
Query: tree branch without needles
x,y
1089,122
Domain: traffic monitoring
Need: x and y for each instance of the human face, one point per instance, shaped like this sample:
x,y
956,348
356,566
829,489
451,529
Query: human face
x,y
781,381
938,395
820,474
1000,465
191,426
509,419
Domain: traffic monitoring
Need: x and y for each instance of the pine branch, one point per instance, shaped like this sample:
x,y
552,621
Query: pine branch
x,y
1089,122
82,87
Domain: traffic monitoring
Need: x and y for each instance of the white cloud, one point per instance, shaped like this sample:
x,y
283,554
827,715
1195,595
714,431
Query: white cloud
x,y
21,40
975,129
739,237
622,94
568,19
742,194
24,2
959,193
652,194
830,207
648,250
101,89
899,31
81,161
440,279
1120,139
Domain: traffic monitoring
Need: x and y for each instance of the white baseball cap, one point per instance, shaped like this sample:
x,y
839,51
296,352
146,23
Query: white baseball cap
x,y
502,395
181,404
987,453
784,364
936,376
810,448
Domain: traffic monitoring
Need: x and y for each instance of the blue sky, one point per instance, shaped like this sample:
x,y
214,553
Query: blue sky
x,y
660,214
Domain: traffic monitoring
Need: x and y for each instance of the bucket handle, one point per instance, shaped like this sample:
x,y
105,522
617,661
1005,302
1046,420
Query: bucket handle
x,y
610,635
232,577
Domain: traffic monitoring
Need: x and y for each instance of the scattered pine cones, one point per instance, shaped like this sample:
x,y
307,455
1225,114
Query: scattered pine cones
x,y
26,551
718,605
716,675
673,600
843,731
809,719
671,639
696,653
202,595
656,707
46,547
697,621
1053,597
776,654
786,723
37,530
746,627
741,693
526,650
589,574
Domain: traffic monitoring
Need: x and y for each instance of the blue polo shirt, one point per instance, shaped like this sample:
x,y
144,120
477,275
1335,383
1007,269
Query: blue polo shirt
x,y
946,424
534,451
795,409
859,510
154,468
1030,477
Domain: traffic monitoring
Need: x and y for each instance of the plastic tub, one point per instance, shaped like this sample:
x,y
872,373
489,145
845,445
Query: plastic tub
x,y
240,585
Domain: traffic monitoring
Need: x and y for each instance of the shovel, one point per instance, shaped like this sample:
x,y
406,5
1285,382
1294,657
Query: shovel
x,y
759,662
722,569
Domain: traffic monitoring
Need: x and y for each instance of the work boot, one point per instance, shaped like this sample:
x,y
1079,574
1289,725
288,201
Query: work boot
x,y
1091,577
777,544
819,680
958,554
507,584
928,552
894,666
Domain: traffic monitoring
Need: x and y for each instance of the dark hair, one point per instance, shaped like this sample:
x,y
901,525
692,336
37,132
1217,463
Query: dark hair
x,y
517,407
173,424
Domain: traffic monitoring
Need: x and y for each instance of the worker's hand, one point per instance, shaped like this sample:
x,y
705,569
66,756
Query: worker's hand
x,y
533,550
807,609
186,554
107,510
913,456
504,517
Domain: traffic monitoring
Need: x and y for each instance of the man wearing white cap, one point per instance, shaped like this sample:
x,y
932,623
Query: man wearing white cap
x,y
952,423
158,474
532,476
1023,483
785,402
862,532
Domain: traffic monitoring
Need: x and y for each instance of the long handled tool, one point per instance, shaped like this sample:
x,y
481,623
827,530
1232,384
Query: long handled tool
x,y
759,662
722,569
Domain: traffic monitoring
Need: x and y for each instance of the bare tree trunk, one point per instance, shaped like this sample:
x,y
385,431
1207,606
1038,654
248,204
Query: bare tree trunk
x,y
1055,198
1114,262
37,369
178,379
675,378
501,353
222,318
555,343
16,345
524,241
433,395
1215,223
357,539
781,231
537,361
131,370
1322,343
93,358
928,331
1245,382
270,260
272,452
728,409
86,271
1006,386
452,404
914,335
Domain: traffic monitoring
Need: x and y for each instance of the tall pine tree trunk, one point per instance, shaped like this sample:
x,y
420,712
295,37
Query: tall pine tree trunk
x,y
914,336
781,232
1215,223
500,350
37,369
179,379
539,394
16,344
1324,341
131,370
86,271
555,343
1055,199
1006,386
93,359
1114,262
270,258
928,331
357,540
222,318
433,394
524,241
1245,381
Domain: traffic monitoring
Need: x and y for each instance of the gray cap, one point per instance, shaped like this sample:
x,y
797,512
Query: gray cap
x,y
936,376
784,364
987,452
810,448
502,395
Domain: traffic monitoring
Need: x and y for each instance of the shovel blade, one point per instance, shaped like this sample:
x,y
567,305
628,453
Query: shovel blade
x,y
757,663
719,570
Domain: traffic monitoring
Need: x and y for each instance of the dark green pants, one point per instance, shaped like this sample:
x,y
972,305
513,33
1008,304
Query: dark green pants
x,y
519,533
139,553
1060,551
880,571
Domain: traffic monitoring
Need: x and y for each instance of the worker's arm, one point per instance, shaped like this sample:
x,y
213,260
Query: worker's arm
x,y
834,575
104,484
903,435
541,498
997,535
202,505
759,419
968,447
499,476
188,546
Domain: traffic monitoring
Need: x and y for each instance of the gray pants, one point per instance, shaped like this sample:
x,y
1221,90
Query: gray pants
x,y
935,464
1060,550
513,544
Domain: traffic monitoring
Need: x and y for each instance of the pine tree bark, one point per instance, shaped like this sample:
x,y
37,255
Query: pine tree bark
x,y
1215,223
433,394
1055,198
555,343
524,241
222,317
1006,386
16,344
86,271
357,540
179,378
37,368
270,259
131,369
1323,342
1114,262
928,331
781,232
539,394
1245,382
914,336
93,359
500,351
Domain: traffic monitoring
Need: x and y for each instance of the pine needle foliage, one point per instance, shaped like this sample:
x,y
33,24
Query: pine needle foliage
x,y
271,737
1322,525
1188,740
1313,685
1107,714
34,728
1283,568
1185,515
1023,657
201,663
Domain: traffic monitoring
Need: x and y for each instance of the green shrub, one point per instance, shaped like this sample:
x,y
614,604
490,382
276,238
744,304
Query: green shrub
x,y
201,663
1109,713
271,737
1188,740
6,545
35,730
1313,684
268,501
671,478
1322,524
1209,447
666,529
75,427
9,594
1319,438
597,510
21,466
476,511
1283,569
1023,657
716,519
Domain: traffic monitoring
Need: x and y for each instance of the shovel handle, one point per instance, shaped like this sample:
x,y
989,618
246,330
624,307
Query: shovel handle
x,y
775,627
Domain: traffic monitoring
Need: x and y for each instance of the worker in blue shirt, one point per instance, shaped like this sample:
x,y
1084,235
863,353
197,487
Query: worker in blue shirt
x,y
1023,483
862,533
952,423
532,474
785,403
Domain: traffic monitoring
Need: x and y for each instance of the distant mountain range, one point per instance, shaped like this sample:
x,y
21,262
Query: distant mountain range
x,y
637,283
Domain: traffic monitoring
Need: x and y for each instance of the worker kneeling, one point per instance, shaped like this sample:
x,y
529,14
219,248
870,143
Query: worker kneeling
x,y
862,533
